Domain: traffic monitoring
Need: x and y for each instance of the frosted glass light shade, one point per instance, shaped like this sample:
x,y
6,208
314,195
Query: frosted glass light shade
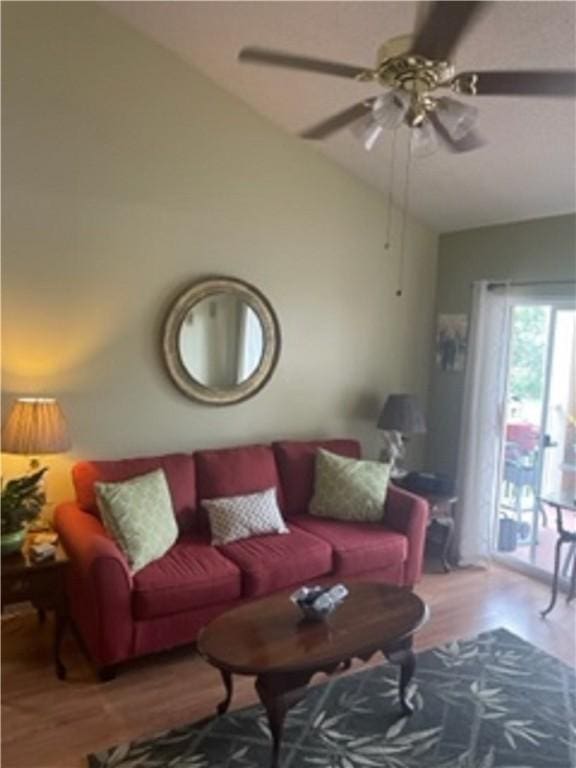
x,y
388,112
456,118
424,139
367,131
390,109
35,426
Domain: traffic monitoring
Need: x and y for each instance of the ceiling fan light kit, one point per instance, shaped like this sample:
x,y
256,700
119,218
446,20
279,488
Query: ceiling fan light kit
x,y
413,79
395,108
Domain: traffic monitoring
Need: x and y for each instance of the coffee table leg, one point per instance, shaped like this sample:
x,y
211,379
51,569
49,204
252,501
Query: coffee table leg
x,y
276,707
228,685
405,658
278,692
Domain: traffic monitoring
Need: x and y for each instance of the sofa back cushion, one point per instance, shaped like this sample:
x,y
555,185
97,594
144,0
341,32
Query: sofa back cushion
x,y
140,516
349,489
236,471
296,464
179,468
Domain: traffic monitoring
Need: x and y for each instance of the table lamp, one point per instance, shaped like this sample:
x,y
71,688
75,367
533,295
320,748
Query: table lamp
x,y
400,417
34,426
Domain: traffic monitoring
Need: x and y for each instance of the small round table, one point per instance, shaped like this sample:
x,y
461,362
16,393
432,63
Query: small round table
x,y
560,503
270,640
441,523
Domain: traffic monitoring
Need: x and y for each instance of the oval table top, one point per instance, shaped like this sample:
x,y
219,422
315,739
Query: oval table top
x,y
270,634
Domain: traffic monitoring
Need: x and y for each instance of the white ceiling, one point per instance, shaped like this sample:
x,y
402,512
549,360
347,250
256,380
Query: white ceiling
x,y
528,167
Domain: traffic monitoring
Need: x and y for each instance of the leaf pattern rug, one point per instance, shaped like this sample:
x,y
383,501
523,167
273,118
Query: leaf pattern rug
x,y
491,702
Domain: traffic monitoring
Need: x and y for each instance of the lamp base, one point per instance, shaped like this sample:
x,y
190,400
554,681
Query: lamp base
x,y
393,447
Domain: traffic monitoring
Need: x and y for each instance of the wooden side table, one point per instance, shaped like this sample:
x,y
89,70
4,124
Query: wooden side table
x,y
42,584
440,519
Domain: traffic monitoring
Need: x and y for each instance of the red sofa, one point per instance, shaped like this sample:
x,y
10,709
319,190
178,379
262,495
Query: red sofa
x,y
121,616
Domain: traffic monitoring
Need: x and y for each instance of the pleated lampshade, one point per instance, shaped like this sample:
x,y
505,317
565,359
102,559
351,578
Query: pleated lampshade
x,y
35,425
402,413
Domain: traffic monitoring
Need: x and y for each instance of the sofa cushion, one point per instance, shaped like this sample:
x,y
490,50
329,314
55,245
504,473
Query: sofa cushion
x,y
357,547
191,575
296,465
236,471
349,489
240,517
179,469
139,515
272,562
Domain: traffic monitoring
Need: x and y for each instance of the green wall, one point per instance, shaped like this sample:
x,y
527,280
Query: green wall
x,y
539,249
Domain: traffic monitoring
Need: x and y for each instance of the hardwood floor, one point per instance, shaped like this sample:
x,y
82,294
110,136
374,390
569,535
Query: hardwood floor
x,y
52,724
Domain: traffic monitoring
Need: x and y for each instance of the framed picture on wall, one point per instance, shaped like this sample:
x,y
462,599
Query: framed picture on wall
x,y
451,342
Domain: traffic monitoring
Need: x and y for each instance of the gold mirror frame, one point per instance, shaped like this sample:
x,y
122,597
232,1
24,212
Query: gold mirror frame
x,y
182,377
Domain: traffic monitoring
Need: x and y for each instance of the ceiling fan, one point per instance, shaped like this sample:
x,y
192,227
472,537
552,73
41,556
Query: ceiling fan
x,y
413,69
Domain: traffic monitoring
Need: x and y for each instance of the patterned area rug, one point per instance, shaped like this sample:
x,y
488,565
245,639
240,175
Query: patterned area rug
x,y
491,702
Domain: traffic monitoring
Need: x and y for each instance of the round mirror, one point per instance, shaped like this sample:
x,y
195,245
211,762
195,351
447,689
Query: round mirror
x,y
221,341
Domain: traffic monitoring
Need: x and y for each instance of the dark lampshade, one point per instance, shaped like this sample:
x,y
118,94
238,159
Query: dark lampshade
x,y
35,425
402,413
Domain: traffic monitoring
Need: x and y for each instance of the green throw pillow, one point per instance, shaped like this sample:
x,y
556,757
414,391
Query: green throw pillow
x,y
349,489
139,515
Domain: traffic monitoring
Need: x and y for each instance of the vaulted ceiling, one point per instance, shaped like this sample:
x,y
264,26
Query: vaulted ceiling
x,y
527,167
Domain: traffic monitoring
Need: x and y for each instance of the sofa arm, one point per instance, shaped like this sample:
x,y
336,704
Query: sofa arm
x,y
408,514
99,585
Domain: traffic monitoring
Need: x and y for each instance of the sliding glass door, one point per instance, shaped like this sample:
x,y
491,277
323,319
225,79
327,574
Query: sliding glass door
x,y
538,455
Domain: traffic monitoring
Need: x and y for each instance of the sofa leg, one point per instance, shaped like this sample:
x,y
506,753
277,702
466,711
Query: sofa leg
x,y
106,674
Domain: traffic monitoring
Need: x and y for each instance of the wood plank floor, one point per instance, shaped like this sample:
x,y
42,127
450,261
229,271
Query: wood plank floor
x,y
52,724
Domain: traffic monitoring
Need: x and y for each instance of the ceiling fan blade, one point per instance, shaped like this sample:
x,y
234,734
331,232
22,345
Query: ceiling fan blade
x,y
538,82
305,63
468,143
443,27
422,10
338,121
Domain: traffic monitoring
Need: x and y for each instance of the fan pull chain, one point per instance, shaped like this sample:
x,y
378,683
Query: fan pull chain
x,y
390,188
405,202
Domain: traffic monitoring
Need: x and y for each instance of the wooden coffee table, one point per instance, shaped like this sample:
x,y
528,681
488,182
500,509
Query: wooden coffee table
x,y
269,639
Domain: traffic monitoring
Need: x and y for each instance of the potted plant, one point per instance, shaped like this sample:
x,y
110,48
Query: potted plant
x,y
22,500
